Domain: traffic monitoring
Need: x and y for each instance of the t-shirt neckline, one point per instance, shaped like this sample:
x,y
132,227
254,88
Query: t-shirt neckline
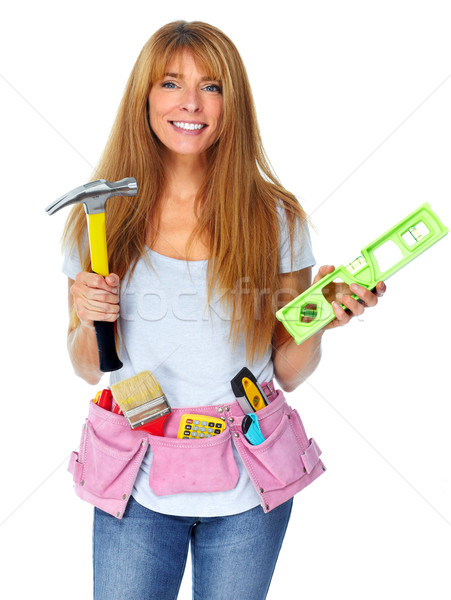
x,y
175,260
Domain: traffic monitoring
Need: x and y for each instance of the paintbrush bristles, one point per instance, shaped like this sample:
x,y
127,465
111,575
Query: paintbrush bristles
x,y
136,391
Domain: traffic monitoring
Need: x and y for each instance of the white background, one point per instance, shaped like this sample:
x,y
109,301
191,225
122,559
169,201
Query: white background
x,y
353,100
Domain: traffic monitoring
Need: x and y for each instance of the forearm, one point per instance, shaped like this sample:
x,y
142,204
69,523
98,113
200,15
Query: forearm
x,y
293,363
82,347
94,298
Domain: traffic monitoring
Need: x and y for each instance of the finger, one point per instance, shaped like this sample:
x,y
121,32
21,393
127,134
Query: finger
x,y
102,307
381,288
81,290
100,296
89,317
93,280
95,305
88,312
351,304
323,271
113,280
366,296
342,316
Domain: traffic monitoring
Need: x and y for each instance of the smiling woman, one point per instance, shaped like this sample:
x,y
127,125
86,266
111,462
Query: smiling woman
x,y
199,189
185,108
196,263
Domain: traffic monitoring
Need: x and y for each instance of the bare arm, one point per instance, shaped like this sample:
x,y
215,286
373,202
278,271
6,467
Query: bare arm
x,y
95,299
293,363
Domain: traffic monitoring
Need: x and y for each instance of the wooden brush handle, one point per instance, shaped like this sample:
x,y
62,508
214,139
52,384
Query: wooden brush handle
x,y
108,358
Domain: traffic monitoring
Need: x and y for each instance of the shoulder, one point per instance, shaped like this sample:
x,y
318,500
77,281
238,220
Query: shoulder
x,y
290,215
294,240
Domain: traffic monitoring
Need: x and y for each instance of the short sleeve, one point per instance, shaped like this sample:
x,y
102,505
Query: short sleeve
x,y
302,245
71,261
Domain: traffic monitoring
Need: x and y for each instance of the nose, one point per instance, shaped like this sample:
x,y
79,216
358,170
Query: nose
x,y
191,100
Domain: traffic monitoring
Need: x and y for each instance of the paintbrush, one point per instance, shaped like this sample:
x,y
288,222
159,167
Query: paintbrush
x,y
143,402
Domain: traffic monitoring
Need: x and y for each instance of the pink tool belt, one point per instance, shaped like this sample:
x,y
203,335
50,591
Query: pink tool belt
x,y
110,454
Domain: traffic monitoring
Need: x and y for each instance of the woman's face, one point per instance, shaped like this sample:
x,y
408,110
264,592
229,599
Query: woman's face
x,y
185,107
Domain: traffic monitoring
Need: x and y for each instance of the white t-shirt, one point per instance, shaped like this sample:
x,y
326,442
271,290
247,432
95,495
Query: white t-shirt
x,y
166,327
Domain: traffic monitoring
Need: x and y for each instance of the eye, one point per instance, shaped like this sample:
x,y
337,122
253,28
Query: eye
x,y
213,87
170,85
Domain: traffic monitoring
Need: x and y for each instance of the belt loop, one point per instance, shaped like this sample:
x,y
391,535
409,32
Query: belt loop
x,y
268,388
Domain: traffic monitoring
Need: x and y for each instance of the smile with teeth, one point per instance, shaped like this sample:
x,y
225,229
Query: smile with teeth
x,y
188,126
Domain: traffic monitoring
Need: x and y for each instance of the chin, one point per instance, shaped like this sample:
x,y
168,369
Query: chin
x,y
187,151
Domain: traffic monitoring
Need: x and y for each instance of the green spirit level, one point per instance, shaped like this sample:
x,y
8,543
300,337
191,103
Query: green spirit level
x,y
311,311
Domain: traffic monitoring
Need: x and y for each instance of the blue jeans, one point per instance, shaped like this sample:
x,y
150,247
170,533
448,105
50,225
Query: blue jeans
x,y
143,555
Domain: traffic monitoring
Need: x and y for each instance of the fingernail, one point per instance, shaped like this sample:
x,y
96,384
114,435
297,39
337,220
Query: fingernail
x,y
353,287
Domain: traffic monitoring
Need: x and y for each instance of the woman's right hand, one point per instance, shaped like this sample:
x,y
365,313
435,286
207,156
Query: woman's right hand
x,y
96,298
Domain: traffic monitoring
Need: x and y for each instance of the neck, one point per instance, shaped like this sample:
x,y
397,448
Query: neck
x,y
184,176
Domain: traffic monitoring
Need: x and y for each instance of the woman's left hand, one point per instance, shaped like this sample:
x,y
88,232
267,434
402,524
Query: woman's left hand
x,y
367,299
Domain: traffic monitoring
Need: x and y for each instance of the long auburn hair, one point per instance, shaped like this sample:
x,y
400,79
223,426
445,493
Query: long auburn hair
x,y
235,205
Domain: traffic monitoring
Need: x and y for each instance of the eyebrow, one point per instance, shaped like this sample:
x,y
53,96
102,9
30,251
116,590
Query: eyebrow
x,y
181,76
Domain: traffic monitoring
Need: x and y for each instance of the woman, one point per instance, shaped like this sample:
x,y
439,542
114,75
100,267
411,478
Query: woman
x,y
198,262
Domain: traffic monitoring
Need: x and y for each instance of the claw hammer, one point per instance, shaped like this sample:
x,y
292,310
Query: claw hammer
x,y
94,196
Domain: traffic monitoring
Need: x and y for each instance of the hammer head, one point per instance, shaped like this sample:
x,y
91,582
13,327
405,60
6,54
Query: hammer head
x,y
95,194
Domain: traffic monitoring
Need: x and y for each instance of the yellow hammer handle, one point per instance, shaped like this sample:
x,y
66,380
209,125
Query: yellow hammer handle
x,y
108,358
97,243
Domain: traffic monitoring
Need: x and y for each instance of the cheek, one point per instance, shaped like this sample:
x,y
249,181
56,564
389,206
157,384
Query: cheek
x,y
156,121
156,107
219,109
151,111
216,111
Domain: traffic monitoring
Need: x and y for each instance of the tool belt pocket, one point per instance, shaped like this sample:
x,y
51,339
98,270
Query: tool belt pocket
x,y
286,456
105,466
202,465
